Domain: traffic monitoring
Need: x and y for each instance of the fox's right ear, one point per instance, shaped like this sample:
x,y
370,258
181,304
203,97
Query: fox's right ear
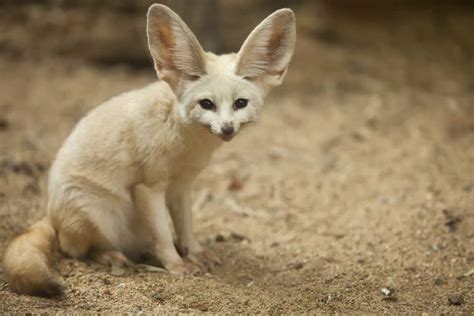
x,y
267,51
176,52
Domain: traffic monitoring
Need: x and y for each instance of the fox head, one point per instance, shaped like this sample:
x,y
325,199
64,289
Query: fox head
x,y
222,93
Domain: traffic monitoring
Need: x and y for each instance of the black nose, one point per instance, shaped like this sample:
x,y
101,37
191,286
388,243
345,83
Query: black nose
x,y
227,130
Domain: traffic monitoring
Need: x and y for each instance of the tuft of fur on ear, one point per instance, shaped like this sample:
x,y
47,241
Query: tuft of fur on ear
x,y
176,52
268,49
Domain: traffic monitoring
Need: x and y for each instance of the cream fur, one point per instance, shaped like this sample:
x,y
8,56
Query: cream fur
x,y
128,166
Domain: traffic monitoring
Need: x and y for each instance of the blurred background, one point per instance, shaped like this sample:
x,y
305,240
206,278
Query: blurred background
x,y
357,46
360,175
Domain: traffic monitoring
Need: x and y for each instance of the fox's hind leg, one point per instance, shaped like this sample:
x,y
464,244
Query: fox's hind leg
x,y
88,219
76,236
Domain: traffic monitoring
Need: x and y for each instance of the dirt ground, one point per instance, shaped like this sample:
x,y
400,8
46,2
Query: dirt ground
x,y
359,177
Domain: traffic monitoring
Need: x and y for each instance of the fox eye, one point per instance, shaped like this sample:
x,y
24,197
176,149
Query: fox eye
x,y
207,104
240,103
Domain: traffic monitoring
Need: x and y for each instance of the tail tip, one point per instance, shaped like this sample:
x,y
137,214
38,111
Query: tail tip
x,y
53,289
50,289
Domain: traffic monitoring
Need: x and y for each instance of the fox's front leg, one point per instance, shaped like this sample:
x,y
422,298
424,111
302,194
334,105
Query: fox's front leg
x,y
151,203
178,198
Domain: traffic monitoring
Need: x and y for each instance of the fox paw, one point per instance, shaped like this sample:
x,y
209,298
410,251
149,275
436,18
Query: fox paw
x,y
111,258
183,268
206,259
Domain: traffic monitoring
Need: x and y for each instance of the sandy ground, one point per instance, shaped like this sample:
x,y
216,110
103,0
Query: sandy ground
x,y
359,177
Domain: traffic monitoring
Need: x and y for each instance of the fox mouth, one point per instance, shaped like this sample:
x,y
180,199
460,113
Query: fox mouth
x,y
225,137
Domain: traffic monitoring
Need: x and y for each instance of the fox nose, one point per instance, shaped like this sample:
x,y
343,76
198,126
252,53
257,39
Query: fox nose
x,y
227,130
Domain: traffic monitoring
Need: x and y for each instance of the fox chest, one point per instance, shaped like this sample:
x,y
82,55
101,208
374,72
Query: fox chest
x,y
176,162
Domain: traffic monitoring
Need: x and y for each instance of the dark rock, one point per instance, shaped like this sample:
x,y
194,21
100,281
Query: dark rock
x,y
239,237
4,124
389,294
220,238
32,187
455,299
157,296
452,220
438,281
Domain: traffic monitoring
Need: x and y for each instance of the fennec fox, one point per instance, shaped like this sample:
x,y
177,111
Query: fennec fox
x,y
129,165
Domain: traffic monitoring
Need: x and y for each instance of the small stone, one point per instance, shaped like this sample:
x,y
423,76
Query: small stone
x,y
220,238
238,237
455,299
468,273
452,220
235,184
200,307
87,306
157,296
41,167
438,281
296,266
326,299
32,187
389,294
4,124
20,167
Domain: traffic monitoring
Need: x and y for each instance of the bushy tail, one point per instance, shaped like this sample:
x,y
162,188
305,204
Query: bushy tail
x,y
27,261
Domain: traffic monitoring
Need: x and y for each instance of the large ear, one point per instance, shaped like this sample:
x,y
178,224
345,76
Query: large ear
x,y
267,51
176,52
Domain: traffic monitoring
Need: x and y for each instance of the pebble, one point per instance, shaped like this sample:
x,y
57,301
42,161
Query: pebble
x,y
236,184
438,281
157,296
326,299
200,307
19,167
4,124
389,294
239,237
220,238
296,266
455,299
32,187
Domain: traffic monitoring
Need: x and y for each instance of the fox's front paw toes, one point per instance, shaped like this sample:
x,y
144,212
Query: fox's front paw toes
x,y
183,268
206,259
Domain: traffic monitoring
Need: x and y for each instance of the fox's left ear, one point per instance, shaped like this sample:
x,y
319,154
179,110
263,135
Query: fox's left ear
x,y
267,51
176,52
